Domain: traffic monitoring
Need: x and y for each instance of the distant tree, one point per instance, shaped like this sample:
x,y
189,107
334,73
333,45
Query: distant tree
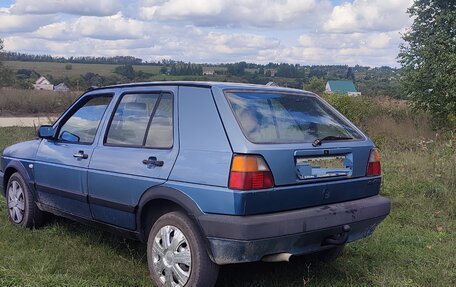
x,y
288,71
1,50
6,75
185,69
350,74
22,74
237,69
163,70
318,71
91,79
428,58
261,70
68,67
118,60
126,71
315,85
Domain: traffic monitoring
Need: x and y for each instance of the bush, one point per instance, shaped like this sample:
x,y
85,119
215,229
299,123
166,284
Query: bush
x,y
315,85
356,109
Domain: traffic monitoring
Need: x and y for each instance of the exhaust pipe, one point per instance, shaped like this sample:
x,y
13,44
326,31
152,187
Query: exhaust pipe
x,y
279,257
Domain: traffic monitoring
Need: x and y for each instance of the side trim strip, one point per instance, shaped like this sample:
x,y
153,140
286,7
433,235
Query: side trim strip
x,y
112,204
62,193
87,198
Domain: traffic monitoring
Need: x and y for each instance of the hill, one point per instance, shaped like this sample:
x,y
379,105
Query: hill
x,y
83,72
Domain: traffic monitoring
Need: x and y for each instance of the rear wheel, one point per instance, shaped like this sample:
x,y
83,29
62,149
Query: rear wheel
x,y
177,254
22,209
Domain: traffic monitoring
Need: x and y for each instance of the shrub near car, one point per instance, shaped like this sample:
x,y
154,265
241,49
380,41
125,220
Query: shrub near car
x,y
206,173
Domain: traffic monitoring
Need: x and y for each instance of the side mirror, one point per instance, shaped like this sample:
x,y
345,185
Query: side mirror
x,y
69,137
46,132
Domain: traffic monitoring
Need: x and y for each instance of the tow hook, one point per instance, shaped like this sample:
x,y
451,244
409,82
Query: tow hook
x,y
338,239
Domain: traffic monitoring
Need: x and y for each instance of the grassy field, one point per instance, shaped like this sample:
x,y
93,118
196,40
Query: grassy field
x,y
415,246
18,102
58,69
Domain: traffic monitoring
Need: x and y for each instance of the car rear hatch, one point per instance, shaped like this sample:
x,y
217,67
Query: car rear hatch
x,y
316,156
312,177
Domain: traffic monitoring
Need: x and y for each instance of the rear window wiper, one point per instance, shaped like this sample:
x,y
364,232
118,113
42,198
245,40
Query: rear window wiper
x,y
318,142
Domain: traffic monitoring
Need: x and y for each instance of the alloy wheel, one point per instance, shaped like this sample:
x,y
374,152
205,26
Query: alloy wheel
x,y
16,202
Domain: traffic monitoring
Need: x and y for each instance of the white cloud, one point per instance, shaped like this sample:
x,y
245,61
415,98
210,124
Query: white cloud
x,y
321,56
107,28
295,31
175,9
60,31
112,27
81,46
380,48
10,23
381,40
374,40
238,13
239,43
368,15
76,7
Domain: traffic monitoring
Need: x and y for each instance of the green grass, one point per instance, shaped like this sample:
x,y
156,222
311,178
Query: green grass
x,y
58,69
414,246
9,136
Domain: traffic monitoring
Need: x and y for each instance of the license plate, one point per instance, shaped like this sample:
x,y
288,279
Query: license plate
x,y
323,166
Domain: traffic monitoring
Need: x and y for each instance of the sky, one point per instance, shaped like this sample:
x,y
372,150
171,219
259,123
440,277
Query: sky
x,y
306,32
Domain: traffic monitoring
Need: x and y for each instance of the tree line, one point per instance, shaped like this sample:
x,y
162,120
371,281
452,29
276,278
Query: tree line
x,y
117,60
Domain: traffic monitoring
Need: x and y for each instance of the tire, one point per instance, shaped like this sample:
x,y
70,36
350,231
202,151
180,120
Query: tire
x,y
173,238
21,207
330,255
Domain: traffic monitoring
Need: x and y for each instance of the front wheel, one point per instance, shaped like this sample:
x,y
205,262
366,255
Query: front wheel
x,y
177,254
22,209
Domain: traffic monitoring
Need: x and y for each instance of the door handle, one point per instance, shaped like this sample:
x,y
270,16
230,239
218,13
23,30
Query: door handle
x,y
81,154
153,161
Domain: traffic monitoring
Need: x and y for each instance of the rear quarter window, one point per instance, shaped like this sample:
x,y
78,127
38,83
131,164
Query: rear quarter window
x,y
269,117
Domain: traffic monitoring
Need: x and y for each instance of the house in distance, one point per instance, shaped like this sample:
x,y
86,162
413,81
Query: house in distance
x,y
342,87
61,88
43,84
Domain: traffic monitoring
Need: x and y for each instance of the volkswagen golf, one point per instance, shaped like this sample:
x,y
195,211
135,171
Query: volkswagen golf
x,y
206,174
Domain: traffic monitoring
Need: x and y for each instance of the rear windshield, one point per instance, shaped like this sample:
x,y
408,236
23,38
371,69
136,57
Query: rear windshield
x,y
287,118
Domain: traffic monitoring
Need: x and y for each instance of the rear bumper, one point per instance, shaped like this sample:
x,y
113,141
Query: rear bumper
x,y
235,239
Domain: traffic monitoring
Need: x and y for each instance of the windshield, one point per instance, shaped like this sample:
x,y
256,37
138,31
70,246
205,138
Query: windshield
x,y
287,118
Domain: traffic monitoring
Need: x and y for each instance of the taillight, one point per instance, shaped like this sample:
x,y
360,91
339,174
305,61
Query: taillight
x,y
374,168
250,172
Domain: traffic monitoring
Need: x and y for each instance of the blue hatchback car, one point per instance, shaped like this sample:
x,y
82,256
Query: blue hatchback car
x,y
206,173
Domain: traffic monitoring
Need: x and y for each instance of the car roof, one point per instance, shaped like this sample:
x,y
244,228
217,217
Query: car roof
x,y
221,85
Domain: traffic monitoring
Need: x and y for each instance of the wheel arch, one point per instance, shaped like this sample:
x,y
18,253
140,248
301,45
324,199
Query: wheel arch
x,y
162,199
157,201
13,167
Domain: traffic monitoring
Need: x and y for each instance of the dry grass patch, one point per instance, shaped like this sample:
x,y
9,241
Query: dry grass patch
x,y
18,102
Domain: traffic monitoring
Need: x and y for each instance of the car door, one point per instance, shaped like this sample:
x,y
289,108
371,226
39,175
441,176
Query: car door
x,y
61,164
137,152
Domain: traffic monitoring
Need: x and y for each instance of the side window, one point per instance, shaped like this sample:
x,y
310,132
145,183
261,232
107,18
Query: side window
x,y
160,134
142,119
82,126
